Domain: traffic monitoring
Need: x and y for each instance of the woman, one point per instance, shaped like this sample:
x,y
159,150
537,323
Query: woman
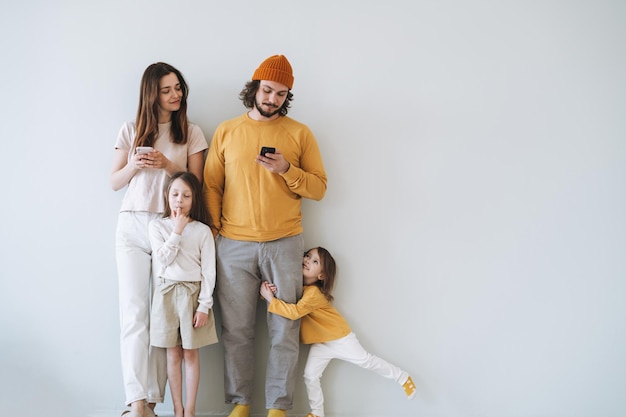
x,y
168,143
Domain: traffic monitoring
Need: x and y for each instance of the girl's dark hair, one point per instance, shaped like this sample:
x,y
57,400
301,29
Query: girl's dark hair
x,y
147,122
248,95
198,210
329,269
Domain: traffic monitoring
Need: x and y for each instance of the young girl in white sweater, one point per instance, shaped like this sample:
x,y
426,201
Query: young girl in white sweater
x,y
325,329
183,253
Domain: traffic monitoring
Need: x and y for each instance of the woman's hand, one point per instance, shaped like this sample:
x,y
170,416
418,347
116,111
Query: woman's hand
x,y
154,159
140,160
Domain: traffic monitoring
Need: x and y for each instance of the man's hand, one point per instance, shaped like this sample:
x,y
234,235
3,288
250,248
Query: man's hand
x,y
273,162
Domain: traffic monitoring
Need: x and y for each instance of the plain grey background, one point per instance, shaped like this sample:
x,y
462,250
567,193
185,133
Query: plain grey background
x,y
476,160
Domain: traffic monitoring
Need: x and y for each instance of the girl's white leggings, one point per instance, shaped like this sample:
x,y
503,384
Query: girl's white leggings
x,y
347,349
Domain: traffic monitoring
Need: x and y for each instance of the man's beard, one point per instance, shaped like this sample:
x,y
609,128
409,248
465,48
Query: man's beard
x,y
263,112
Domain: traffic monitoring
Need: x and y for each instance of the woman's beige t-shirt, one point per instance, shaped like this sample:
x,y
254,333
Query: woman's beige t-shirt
x,y
145,189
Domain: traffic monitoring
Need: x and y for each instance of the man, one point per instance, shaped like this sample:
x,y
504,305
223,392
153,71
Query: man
x,y
254,201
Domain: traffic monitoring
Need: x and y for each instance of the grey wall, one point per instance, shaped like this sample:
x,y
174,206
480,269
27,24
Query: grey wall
x,y
476,160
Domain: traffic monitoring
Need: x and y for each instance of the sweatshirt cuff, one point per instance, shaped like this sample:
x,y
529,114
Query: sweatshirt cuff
x,y
174,239
203,308
291,174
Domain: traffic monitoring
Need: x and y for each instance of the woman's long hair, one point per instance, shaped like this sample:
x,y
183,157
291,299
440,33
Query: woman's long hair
x,y
248,95
147,122
198,210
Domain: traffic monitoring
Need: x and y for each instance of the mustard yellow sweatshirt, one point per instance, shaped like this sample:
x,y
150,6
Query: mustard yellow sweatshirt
x,y
320,323
248,202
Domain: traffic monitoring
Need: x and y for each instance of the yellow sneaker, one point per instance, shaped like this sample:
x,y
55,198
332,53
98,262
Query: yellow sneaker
x,y
311,415
409,388
275,412
240,410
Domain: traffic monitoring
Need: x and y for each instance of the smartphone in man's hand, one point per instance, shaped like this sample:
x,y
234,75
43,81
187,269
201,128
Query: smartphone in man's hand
x,y
267,149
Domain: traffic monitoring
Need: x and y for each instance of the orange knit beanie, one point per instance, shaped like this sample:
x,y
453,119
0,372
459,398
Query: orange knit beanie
x,y
275,68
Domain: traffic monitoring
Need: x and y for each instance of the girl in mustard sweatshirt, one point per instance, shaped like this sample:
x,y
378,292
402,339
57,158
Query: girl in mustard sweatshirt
x,y
325,329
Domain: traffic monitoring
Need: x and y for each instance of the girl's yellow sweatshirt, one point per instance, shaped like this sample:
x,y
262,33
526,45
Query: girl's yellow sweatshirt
x,y
320,323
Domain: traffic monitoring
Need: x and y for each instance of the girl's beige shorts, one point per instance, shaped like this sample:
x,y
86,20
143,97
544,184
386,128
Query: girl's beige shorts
x,y
171,321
